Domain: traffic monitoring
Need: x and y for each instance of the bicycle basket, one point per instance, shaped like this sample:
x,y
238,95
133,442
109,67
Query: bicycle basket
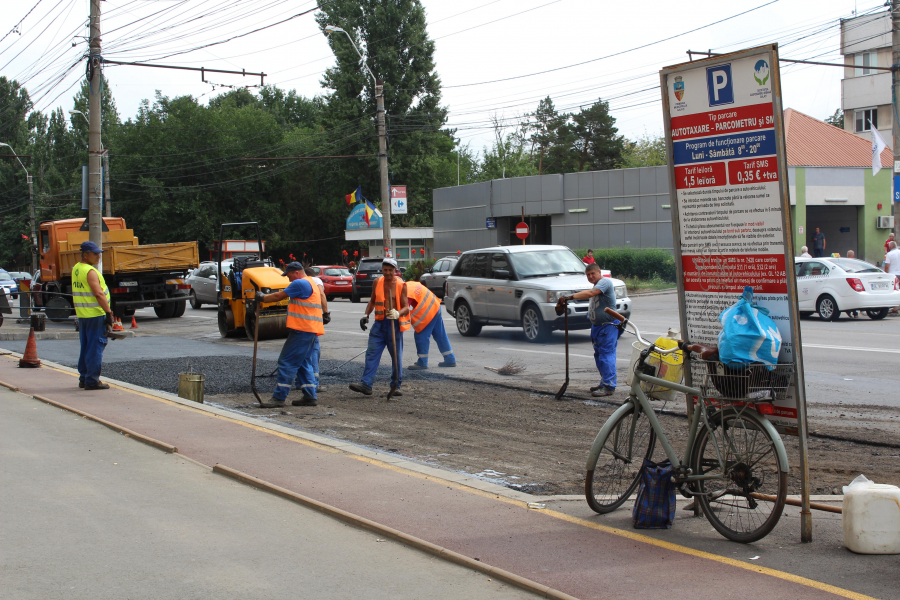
x,y
754,383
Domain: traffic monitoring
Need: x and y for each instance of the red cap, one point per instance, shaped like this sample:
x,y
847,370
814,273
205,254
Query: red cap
x,y
458,252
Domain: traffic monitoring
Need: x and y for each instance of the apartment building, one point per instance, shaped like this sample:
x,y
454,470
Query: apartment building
x,y
866,92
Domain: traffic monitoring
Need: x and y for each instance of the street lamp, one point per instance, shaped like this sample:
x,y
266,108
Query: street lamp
x,y
382,141
105,167
31,201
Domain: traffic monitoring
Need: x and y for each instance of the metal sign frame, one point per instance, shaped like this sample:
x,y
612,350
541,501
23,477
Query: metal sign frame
x,y
771,51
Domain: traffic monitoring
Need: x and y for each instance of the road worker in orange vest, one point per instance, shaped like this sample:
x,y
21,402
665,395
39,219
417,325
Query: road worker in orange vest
x,y
396,316
425,318
305,322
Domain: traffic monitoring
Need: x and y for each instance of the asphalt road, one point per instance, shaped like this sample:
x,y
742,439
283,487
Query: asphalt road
x,y
852,361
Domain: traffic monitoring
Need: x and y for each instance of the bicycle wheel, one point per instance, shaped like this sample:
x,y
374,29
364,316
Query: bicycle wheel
x,y
745,502
620,449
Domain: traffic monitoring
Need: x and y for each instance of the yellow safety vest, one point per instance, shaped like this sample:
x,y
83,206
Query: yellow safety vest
x,y
86,305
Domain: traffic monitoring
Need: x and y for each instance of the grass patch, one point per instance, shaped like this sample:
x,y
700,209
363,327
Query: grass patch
x,y
655,283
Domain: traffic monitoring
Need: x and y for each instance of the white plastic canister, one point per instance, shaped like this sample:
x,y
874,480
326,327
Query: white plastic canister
x,y
871,517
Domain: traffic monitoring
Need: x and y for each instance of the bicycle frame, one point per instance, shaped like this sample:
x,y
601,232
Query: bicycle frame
x,y
638,398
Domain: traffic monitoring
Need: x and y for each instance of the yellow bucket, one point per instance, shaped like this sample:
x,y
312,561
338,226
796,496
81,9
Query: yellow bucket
x,y
668,366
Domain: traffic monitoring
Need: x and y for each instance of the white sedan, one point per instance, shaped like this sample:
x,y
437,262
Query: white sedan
x,y
830,286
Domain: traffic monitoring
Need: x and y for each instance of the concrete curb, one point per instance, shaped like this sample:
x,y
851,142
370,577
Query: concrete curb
x,y
657,293
409,540
126,432
20,334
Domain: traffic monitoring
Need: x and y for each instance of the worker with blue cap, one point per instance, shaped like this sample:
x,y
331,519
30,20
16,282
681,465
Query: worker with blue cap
x,y
90,296
305,322
391,309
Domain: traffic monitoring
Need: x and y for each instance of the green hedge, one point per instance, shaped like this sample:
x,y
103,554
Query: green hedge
x,y
643,263
415,270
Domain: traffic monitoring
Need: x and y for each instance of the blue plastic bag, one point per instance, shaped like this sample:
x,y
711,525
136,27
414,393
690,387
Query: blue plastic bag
x,y
748,335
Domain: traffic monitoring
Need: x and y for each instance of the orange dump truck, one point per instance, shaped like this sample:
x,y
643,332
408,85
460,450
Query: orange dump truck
x,y
137,276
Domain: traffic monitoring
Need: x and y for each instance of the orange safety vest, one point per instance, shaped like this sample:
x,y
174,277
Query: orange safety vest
x,y
378,293
426,305
306,315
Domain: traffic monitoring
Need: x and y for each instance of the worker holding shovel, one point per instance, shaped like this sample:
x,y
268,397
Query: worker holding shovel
x,y
604,336
391,309
305,322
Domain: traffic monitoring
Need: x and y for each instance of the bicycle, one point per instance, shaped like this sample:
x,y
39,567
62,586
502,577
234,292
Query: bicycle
x,y
735,465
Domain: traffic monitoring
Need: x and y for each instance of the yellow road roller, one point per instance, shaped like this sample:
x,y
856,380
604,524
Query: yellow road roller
x,y
238,280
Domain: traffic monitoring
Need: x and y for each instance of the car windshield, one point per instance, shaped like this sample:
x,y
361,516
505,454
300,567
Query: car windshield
x,y
851,265
374,265
5,277
337,272
546,263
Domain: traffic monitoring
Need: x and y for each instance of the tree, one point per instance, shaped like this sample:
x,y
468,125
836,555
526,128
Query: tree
x,y
508,157
15,104
545,127
837,119
594,138
393,38
645,151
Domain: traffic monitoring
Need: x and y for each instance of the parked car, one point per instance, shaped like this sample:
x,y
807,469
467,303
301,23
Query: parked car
x,y
367,271
337,280
830,286
518,286
435,276
203,282
8,285
18,278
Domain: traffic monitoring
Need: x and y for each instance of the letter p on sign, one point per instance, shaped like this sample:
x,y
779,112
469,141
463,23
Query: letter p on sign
x,y
718,85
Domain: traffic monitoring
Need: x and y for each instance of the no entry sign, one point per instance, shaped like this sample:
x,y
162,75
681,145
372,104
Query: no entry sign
x,y
522,230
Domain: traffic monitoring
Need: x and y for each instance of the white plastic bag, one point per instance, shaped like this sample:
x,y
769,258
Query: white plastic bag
x,y
861,480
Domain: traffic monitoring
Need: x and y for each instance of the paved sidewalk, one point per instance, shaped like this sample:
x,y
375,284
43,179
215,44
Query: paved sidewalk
x,y
88,513
578,555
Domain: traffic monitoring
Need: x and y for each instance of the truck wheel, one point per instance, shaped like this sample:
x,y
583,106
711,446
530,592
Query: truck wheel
x,y
179,308
536,330
165,311
195,304
129,312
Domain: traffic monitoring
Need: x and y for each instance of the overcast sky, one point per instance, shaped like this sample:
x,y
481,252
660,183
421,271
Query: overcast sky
x,y
477,41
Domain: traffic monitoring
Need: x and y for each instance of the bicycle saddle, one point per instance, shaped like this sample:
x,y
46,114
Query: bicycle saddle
x,y
705,352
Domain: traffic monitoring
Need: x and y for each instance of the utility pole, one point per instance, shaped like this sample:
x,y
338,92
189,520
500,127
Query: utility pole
x,y
95,215
34,242
106,183
895,125
382,162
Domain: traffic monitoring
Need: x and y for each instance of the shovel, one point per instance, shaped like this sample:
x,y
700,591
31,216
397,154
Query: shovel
x,y
565,384
255,344
390,305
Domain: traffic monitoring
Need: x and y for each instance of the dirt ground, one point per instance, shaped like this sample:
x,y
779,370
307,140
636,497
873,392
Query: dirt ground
x,y
530,442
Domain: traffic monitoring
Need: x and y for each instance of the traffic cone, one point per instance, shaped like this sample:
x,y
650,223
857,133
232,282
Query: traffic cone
x,y
133,323
30,359
117,325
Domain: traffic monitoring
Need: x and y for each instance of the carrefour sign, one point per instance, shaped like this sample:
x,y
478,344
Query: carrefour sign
x,y
357,218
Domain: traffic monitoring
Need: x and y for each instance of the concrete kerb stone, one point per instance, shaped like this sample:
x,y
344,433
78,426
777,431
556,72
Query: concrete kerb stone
x,y
16,335
327,442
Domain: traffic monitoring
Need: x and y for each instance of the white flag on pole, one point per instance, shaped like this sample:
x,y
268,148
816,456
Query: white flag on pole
x,y
877,146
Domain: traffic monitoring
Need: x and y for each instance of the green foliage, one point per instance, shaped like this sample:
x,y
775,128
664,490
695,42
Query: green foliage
x,y
837,119
415,269
646,151
645,263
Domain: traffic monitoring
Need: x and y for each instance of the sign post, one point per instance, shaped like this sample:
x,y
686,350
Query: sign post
x,y
731,216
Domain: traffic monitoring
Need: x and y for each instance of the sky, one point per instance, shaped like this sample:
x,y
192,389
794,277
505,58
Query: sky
x,y
529,45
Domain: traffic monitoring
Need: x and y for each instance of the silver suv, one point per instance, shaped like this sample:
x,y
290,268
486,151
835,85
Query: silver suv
x,y
514,286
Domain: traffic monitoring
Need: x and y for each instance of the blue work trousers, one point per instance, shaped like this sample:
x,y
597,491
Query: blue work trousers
x,y
294,366
379,339
92,334
313,361
435,329
606,339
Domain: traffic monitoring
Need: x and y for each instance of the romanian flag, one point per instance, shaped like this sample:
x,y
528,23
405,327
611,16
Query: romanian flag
x,y
370,210
354,197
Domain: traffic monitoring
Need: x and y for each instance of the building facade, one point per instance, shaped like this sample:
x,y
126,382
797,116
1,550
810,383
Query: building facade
x,y
595,209
866,92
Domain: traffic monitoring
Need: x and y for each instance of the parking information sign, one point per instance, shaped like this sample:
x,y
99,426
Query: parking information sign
x,y
728,183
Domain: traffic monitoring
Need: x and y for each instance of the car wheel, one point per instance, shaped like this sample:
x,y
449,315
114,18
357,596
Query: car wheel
x,y
354,298
878,313
805,314
828,309
330,298
465,321
536,330
195,304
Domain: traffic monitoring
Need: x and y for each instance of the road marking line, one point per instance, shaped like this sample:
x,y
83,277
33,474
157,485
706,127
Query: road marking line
x,y
591,356
823,346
